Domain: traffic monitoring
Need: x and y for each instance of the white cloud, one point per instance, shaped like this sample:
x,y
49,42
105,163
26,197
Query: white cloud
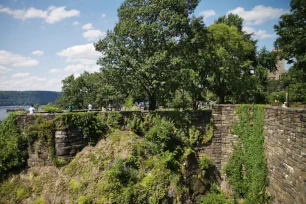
x,y
103,15
208,13
258,34
30,83
4,70
38,53
8,58
20,75
87,26
85,54
51,15
54,71
75,23
92,35
80,68
258,15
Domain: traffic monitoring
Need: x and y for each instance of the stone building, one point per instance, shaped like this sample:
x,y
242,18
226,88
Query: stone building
x,y
280,65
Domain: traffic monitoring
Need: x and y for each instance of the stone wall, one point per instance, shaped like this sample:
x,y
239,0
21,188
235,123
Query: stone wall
x,y
285,149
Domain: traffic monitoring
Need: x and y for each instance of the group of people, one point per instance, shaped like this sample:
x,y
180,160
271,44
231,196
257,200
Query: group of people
x,y
109,108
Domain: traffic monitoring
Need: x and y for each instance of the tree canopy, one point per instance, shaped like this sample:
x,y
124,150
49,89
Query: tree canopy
x,y
147,44
160,52
292,34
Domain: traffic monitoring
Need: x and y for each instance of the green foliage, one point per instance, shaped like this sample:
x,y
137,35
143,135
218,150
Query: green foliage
x,y
39,200
84,200
277,98
114,119
247,170
295,80
139,56
163,133
136,124
194,135
51,108
75,185
291,30
129,102
205,163
215,196
89,124
209,132
12,147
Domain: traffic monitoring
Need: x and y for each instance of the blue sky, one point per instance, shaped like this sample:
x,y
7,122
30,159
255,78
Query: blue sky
x,y
42,42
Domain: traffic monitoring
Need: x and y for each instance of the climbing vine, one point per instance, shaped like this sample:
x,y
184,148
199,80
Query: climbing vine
x,y
247,168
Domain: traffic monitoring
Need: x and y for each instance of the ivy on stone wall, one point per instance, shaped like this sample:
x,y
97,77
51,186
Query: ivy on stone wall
x,y
247,168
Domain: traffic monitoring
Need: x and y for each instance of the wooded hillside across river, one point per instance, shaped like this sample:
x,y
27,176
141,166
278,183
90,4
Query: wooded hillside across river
x,y
15,98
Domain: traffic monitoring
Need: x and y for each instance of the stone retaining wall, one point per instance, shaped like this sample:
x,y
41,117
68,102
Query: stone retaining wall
x,y
285,149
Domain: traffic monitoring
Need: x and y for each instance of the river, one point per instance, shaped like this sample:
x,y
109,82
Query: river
x,y
4,114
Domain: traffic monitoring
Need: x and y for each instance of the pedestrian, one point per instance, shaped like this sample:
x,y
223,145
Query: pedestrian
x,y
32,110
89,107
110,107
70,108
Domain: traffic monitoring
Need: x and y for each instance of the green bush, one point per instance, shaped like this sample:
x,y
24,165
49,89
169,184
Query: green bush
x,y
12,147
135,124
204,163
277,98
215,196
163,133
39,200
84,200
51,108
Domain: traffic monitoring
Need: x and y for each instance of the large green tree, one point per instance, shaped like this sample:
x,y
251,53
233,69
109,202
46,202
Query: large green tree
x,y
89,88
292,34
146,45
230,63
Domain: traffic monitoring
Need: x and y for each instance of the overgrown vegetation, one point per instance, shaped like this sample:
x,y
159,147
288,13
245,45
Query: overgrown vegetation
x,y
12,147
51,108
158,165
247,168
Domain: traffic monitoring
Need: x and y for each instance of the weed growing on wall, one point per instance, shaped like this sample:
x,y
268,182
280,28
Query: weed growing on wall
x,y
247,168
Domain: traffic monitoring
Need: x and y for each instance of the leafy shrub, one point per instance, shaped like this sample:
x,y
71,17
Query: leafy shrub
x,y
277,98
204,163
39,200
194,135
113,119
129,102
135,124
84,200
75,185
22,193
51,108
12,147
163,133
215,196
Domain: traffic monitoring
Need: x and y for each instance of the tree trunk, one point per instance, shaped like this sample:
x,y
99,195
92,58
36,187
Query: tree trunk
x,y
221,99
152,103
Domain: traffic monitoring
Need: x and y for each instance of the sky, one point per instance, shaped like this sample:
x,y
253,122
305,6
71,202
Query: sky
x,y
42,42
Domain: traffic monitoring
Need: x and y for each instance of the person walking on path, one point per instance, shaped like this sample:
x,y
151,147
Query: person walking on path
x,y
32,110
70,108
89,107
